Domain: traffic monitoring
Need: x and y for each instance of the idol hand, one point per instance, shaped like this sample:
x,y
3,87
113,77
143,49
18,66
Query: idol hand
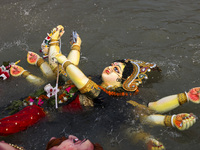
x,y
75,39
194,95
153,144
183,121
59,31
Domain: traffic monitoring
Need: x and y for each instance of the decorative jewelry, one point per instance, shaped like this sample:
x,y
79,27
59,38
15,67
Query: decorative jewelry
x,y
66,64
182,98
17,147
140,68
118,79
25,73
40,62
75,47
168,121
54,43
88,87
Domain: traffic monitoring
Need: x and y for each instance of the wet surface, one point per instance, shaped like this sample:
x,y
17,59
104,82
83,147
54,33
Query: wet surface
x,y
163,32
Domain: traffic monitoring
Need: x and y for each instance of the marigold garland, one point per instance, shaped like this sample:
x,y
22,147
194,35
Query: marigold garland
x,y
112,93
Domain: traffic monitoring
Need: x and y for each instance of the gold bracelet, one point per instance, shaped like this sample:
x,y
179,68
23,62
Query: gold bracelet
x,y
54,40
52,44
76,47
66,64
40,61
26,73
167,121
182,98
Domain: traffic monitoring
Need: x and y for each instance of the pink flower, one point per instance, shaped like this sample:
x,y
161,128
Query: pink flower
x,y
40,102
68,89
31,100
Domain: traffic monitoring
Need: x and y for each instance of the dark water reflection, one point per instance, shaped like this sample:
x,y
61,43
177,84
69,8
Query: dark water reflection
x,y
164,32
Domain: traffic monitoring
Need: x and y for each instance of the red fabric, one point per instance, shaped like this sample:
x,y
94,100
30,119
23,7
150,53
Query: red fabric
x,y
74,106
21,120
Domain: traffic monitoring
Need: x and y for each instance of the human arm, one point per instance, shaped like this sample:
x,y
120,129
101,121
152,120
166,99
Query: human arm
x,y
171,102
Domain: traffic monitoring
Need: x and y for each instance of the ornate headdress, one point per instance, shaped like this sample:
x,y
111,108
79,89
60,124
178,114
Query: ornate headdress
x,y
140,68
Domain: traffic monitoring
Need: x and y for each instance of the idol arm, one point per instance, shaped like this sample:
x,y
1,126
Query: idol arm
x,y
167,103
141,136
74,54
73,72
26,74
54,48
171,102
180,121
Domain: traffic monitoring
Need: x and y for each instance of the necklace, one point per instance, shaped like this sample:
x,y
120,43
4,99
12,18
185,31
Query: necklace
x,y
17,147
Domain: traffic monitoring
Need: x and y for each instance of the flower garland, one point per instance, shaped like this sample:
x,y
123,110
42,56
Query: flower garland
x,y
112,93
44,96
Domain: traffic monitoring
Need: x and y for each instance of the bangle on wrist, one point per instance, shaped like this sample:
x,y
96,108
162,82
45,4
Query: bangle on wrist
x,y
187,96
40,61
75,47
182,98
25,73
168,121
54,43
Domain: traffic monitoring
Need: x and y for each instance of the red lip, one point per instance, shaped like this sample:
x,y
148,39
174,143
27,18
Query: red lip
x,y
108,70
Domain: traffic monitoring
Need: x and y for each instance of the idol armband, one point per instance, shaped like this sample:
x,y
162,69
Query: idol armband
x,y
168,121
40,61
66,64
54,42
76,47
182,98
91,89
26,73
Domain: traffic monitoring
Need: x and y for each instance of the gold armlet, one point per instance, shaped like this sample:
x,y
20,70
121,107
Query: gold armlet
x,y
54,40
54,43
167,121
66,64
182,98
40,62
26,73
91,89
75,47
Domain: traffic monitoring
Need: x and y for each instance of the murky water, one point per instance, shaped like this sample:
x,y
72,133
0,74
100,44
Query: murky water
x,y
164,32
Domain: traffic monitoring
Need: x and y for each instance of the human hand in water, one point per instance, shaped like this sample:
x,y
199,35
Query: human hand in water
x,y
153,144
194,95
183,121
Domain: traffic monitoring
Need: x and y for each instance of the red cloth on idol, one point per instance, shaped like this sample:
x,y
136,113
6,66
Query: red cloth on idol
x,y
74,106
21,120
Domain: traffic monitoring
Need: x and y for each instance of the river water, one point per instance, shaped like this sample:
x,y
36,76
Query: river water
x,y
163,32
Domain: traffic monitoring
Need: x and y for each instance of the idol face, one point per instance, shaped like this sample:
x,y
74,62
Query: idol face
x,y
113,73
73,143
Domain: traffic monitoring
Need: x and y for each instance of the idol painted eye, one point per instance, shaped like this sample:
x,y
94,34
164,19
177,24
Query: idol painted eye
x,y
116,69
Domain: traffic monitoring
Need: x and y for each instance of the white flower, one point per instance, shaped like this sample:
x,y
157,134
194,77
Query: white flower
x,y
50,90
